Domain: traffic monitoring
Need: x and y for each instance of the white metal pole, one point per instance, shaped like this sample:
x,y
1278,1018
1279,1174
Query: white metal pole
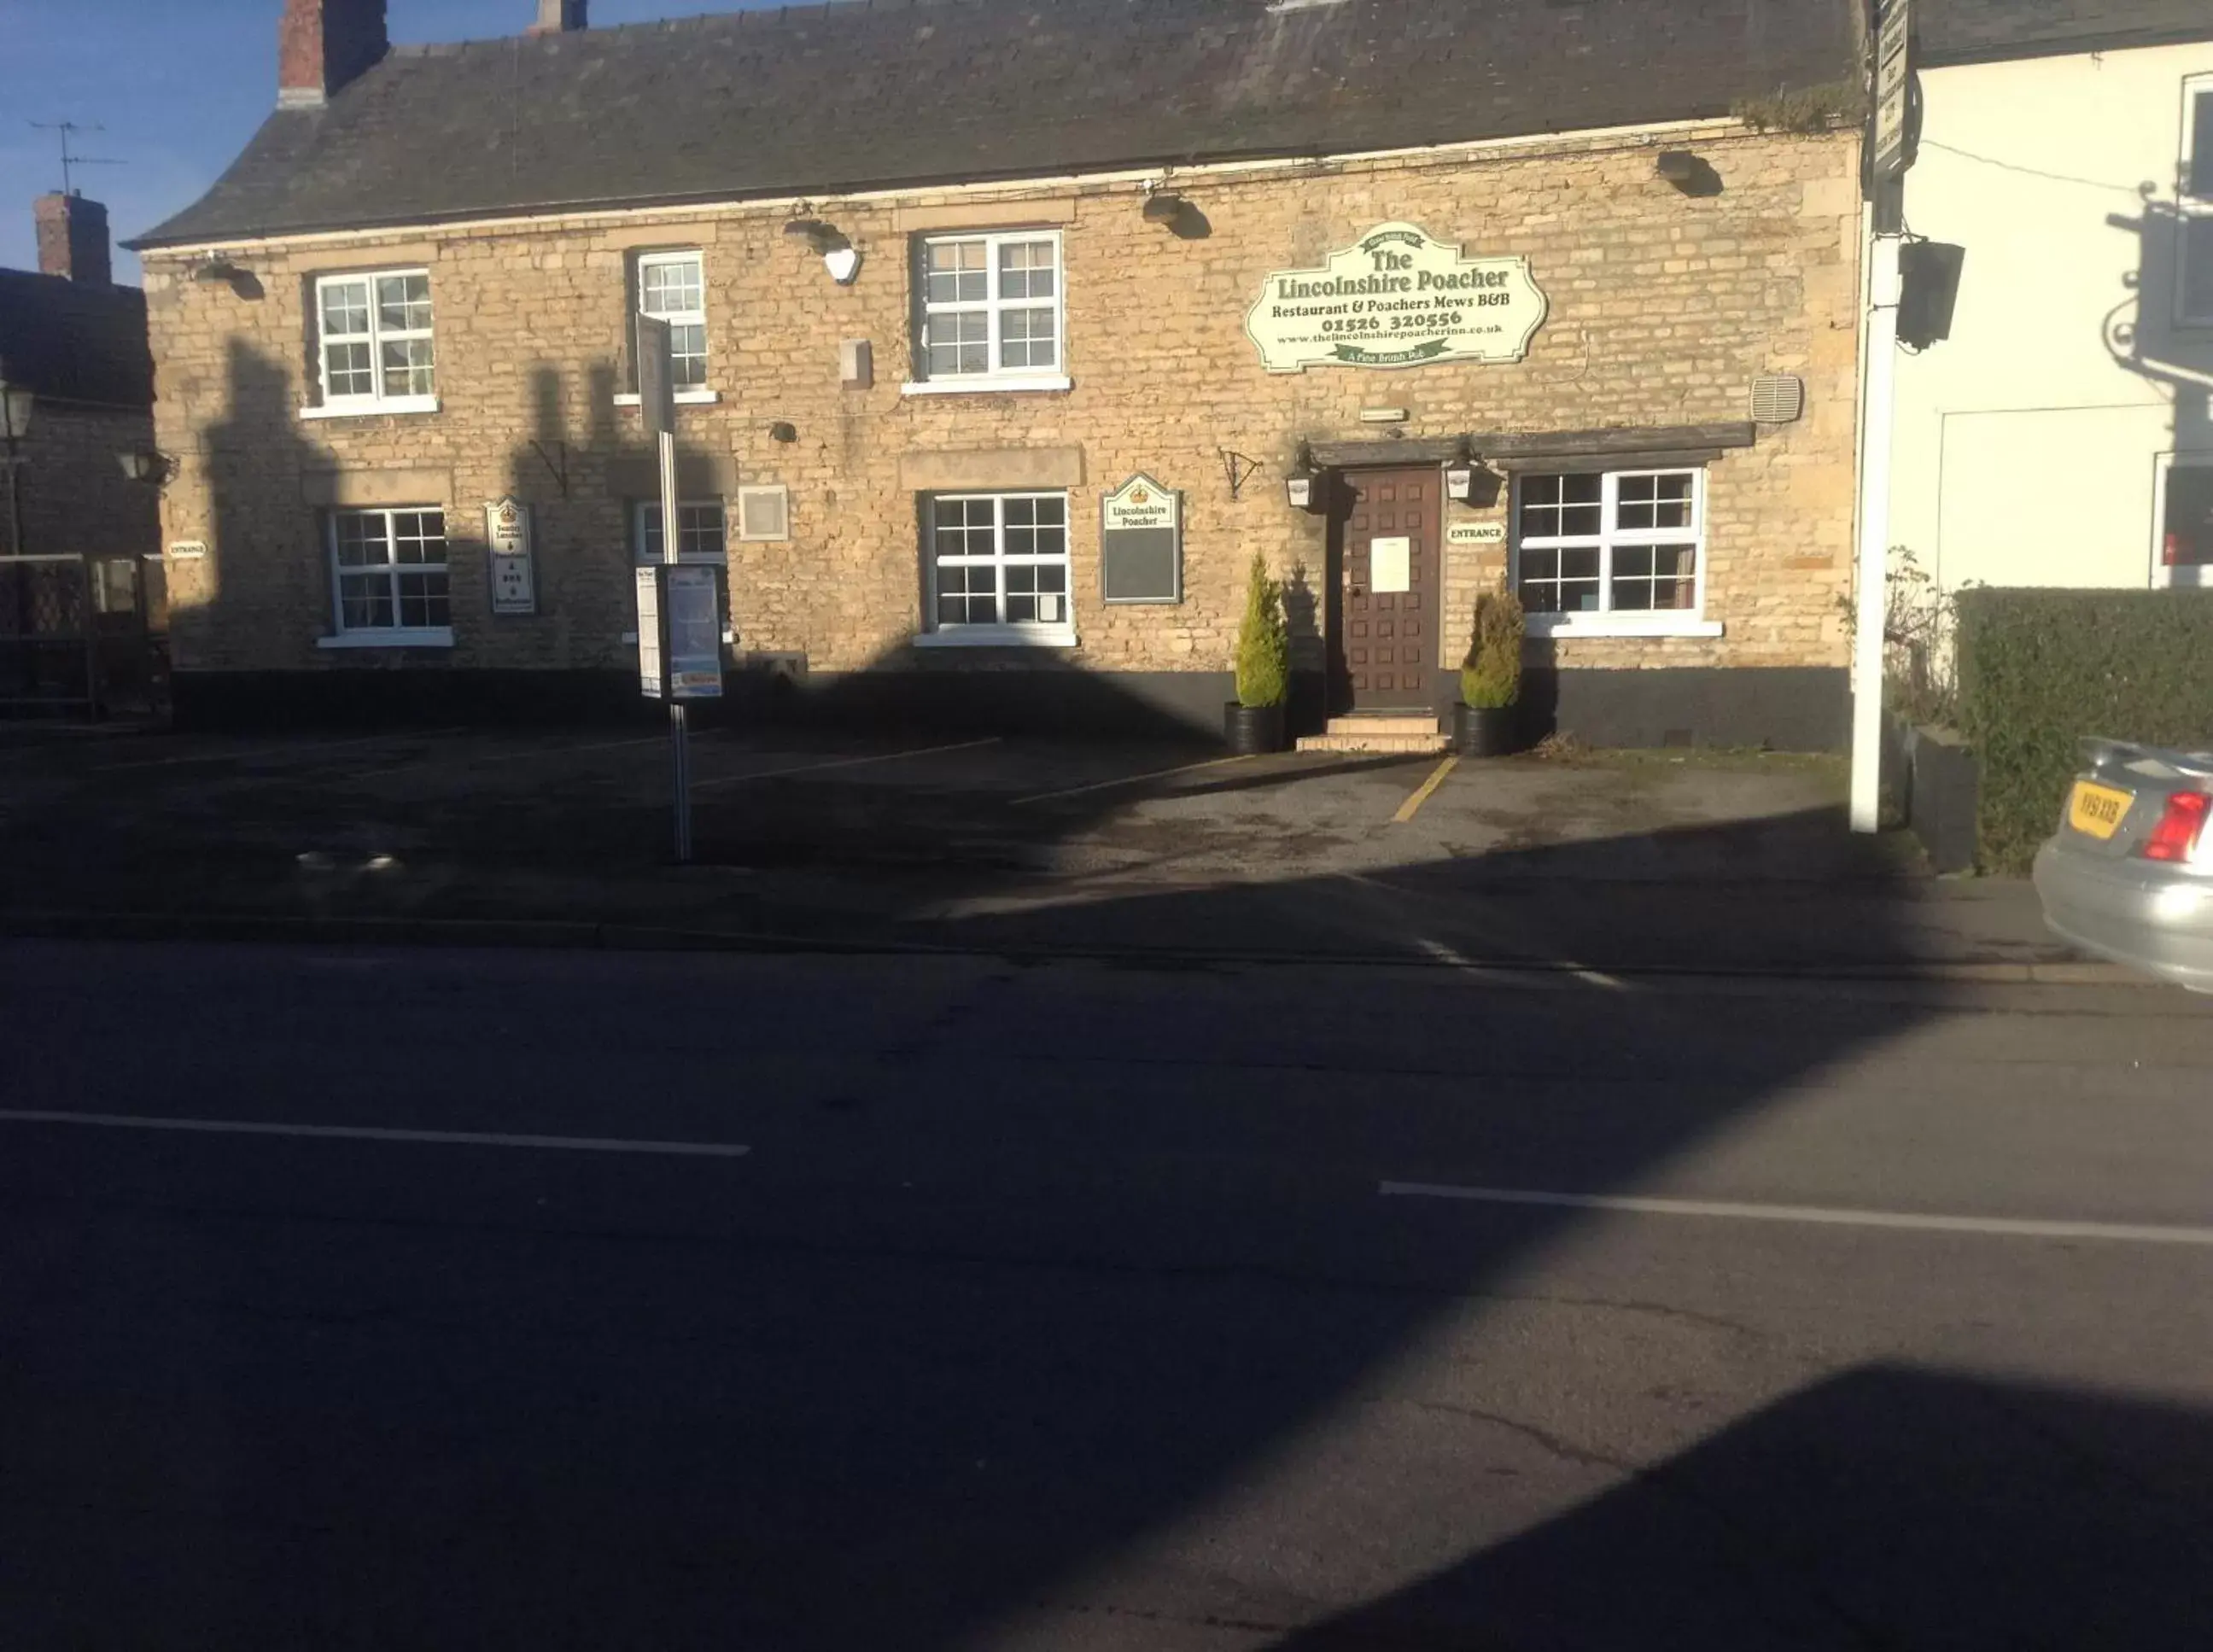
x,y
680,755
1877,416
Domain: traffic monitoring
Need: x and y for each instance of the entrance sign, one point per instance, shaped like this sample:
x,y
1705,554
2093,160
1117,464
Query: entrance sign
x,y
1475,533
1141,543
513,577
1390,565
1397,298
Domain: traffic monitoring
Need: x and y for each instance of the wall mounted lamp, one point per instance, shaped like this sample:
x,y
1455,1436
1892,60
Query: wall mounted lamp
x,y
1460,480
145,464
1182,217
838,254
1303,483
221,272
1692,173
16,401
784,430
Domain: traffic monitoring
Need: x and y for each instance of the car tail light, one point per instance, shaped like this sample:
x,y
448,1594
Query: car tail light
x,y
2175,836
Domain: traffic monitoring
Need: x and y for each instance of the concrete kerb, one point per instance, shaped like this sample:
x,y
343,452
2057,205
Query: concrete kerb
x,y
556,933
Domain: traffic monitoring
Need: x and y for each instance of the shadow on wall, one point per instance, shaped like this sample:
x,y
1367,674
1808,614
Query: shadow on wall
x,y
2146,335
246,639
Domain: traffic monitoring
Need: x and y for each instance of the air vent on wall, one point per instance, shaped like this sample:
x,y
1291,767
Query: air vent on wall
x,y
1777,399
764,513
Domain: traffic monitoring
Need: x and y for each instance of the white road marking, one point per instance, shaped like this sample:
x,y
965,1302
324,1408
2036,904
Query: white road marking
x,y
1811,1214
842,763
1594,977
1127,780
364,1133
297,748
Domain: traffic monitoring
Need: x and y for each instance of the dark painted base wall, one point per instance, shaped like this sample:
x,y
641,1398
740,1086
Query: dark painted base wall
x,y
1805,710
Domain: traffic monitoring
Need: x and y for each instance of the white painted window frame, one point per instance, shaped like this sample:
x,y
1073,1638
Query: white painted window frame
x,y
641,508
395,635
2193,202
333,406
671,258
2164,578
1002,633
1606,620
993,305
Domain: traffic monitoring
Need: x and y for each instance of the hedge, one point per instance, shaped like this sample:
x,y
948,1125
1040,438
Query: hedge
x,y
2039,670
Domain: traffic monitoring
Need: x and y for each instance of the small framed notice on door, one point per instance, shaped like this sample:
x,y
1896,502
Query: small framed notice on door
x,y
1390,565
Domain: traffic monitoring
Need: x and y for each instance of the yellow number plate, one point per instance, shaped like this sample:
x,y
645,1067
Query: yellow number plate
x,y
2097,811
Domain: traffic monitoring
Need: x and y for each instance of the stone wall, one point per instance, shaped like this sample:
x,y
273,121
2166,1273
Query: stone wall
x,y
71,490
1663,308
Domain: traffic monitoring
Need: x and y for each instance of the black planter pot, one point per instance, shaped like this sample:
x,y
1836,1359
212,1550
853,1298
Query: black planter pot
x,y
1484,731
1253,730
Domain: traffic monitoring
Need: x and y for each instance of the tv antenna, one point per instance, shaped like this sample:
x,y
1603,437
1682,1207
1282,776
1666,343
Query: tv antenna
x,y
71,162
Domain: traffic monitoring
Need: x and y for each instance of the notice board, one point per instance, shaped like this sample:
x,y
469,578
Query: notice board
x,y
1141,543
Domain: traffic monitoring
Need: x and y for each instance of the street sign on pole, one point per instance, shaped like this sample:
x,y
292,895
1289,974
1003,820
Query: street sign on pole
x,y
676,676
1893,94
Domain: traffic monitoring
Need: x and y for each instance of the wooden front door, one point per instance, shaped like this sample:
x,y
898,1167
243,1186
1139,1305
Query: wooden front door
x,y
1390,584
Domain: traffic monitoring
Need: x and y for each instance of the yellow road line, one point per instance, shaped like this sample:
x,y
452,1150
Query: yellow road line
x,y
1126,780
1406,809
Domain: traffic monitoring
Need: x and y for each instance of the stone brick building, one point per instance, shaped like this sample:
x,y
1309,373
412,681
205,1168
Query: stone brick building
x,y
945,276
77,342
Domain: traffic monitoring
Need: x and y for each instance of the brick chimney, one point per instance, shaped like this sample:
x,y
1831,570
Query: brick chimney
x,y
560,16
324,45
73,240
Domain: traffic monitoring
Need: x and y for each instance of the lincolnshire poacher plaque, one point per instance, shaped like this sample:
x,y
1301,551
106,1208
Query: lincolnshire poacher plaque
x,y
1397,297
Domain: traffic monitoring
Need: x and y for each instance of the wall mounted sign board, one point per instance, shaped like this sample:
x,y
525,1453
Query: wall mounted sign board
x,y
1390,565
1141,543
1475,533
514,570
1397,297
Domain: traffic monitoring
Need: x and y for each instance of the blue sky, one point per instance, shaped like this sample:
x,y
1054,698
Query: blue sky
x,y
180,85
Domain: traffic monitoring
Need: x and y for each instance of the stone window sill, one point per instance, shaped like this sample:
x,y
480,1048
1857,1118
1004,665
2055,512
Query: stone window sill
x,y
998,636
429,637
987,387
1620,624
372,409
684,399
629,638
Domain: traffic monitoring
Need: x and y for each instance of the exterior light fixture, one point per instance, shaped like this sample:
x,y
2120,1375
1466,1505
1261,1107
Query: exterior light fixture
x,y
1460,480
145,464
784,430
1303,483
1692,173
15,400
838,254
1163,208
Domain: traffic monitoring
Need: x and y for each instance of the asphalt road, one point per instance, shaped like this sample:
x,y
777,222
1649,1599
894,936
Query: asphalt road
x,y
1073,1308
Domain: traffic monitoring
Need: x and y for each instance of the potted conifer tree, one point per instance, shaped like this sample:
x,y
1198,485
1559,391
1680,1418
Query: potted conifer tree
x,y
1483,723
1254,722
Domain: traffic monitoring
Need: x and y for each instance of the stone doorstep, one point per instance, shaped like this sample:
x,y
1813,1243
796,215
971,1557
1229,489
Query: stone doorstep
x,y
1431,742
1385,722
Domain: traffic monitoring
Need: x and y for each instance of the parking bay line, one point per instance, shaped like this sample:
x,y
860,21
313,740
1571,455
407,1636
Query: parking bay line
x,y
1811,1214
842,763
1128,780
432,759
1428,789
367,1133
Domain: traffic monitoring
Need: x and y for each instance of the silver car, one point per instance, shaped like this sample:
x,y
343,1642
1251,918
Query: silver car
x,y
2130,875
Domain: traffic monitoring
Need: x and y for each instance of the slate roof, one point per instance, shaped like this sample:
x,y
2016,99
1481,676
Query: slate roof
x,y
819,99
74,342
1979,31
